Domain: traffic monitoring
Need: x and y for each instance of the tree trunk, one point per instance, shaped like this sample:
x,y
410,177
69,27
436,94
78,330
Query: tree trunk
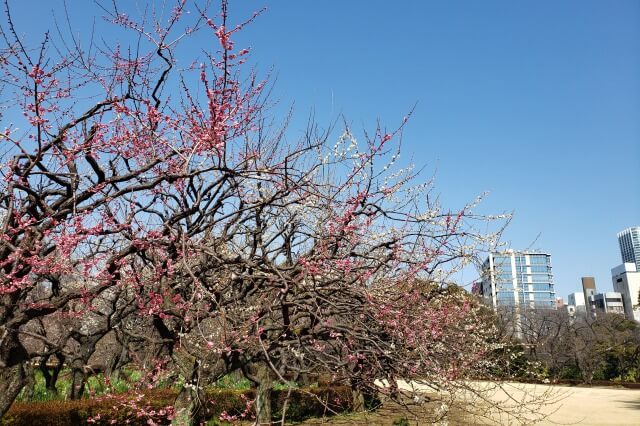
x,y
114,376
51,384
12,379
81,359
305,380
51,377
588,377
77,379
264,381
116,363
357,400
188,408
30,381
12,374
188,405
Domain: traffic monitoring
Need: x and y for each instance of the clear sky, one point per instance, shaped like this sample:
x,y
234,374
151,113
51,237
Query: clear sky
x,y
537,102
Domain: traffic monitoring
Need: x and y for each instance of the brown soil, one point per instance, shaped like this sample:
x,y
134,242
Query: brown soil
x,y
392,412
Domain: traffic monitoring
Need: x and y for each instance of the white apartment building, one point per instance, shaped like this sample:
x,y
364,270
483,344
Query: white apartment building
x,y
626,281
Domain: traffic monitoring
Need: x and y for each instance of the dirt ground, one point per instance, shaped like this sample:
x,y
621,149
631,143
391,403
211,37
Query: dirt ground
x,y
388,414
527,404
580,405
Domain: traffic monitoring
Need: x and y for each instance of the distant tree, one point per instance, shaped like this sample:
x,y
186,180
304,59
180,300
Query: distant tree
x,y
546,335
602,347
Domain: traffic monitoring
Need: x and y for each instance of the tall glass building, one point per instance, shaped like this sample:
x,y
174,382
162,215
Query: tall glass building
x,y
629,241
517,279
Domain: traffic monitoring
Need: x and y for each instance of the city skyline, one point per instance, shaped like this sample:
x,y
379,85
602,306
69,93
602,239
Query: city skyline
x,y
536,103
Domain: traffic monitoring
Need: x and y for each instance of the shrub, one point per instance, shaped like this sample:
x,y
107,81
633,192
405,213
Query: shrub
x,y
303,403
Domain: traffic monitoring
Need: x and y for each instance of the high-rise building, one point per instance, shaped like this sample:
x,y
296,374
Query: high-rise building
x,y
589,291
629,241
626,281
517,279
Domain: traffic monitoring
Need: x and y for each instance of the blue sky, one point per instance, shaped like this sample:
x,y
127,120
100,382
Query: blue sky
x,y
537,102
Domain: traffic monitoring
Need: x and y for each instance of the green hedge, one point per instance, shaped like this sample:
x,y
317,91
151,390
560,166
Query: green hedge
x,y
303,403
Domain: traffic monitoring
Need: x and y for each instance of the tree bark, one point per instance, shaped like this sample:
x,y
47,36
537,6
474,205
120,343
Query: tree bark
x,y
116,362
51,384
80,360
188,405
51,377
264,381
77,379
12,374
30,381
12,380
357,400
